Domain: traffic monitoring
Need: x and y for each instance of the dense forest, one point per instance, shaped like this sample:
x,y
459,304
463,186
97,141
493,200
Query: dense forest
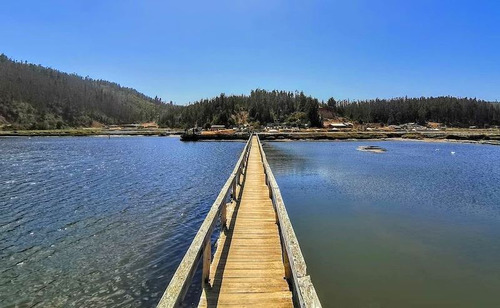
x,y
452,111
37,97
259,108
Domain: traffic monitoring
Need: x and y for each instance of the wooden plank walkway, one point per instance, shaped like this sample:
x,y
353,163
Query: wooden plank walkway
x,y
247,269
258,261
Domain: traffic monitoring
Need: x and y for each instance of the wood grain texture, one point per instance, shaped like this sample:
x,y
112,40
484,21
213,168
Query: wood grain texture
x,y
257,261
247,268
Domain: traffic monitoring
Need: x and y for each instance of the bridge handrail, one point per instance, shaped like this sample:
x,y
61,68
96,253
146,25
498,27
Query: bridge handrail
x,y
201,244
303,289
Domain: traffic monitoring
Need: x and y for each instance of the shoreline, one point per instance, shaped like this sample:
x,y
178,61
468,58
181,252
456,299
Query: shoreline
x,y
88,132
491,137
462,136
427,140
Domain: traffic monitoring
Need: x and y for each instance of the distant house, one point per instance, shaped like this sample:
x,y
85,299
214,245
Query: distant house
x,y
217,127
340,125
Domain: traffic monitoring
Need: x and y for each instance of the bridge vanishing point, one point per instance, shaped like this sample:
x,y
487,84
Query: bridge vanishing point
x,y
257,261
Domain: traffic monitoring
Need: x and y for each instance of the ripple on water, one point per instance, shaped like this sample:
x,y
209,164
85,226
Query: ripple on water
x,y
413,225
92,222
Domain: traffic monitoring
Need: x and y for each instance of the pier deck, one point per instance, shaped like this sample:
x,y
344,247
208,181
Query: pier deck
x,y
248,269
257,260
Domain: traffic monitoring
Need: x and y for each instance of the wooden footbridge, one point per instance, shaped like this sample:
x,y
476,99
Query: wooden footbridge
x,y
257,260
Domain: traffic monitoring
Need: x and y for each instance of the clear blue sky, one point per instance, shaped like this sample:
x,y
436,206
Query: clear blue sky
x,y
187,50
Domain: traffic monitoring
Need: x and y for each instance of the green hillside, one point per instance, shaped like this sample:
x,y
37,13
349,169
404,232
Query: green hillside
x,y
37,97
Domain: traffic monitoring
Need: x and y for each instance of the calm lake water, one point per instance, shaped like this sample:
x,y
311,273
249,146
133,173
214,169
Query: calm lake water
x,y
93,222
417,226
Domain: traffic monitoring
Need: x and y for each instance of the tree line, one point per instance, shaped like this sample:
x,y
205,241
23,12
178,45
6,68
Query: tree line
x,y
261,107
37,97
452,111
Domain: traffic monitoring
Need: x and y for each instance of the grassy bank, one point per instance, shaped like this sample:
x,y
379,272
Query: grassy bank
x,y
90,132
464,135
491,137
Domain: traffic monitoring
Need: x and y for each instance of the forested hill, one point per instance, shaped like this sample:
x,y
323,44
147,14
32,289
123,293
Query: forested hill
x,y
451,111
36,97
295,108
259,108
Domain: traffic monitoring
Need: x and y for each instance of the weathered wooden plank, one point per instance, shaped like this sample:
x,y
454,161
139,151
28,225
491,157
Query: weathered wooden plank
x,y
310,298
237,288
207,259
254,305
251,296
244,258
230,265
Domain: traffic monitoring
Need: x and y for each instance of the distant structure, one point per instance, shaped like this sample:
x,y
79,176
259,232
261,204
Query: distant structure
x,y
340,126
217,127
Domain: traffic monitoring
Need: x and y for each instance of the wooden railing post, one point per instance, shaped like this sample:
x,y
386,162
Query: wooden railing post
x,y
235,186
207,259
286,262
223,217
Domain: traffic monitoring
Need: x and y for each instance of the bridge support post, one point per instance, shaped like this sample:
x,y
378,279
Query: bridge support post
x,y
207,256
223,217
235,186
286,263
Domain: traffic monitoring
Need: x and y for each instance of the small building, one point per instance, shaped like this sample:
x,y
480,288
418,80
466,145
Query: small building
x,y
340,125
337,125
217,127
